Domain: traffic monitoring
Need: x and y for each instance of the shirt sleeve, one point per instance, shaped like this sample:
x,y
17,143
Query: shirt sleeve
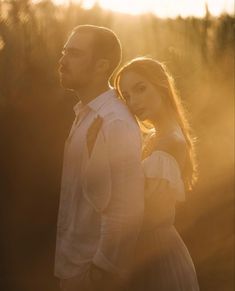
x,y
122,219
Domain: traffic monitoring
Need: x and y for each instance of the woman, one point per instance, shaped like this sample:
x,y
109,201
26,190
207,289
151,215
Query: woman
x,y
163,262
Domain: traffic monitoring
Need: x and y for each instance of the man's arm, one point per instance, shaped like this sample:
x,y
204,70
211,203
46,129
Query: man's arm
x,y
122,219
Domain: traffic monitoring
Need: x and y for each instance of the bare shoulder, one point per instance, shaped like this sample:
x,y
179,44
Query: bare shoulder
x,y
175,145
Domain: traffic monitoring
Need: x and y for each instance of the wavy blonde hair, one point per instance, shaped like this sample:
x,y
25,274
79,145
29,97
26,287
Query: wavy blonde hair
x,y
156,73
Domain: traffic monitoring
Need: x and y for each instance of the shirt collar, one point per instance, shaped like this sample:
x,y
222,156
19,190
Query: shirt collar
x,y
78,108
96,103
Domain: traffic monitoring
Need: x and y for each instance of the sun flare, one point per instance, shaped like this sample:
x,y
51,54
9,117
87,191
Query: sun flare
x,y
167,8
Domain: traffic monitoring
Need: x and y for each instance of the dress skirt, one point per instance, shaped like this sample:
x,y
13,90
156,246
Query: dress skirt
x,y
163,262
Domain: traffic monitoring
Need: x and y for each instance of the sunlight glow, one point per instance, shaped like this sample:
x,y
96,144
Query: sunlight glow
x,y
167,8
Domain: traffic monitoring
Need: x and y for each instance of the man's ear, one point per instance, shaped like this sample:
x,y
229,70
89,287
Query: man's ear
x,y
102,65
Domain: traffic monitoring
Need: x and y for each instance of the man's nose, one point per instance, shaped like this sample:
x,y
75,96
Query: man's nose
x,y
62,60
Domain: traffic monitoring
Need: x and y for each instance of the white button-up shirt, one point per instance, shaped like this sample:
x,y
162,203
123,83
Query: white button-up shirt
x,y
102,194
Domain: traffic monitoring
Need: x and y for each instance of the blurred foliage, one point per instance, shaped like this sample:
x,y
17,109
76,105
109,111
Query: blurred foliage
x,y
35,116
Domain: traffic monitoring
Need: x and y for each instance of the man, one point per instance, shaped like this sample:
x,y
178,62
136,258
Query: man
x,y
102,188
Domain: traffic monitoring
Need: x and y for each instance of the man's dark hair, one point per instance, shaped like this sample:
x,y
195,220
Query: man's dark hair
x,y
106,44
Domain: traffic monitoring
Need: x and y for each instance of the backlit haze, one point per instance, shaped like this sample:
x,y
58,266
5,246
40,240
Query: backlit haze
x,y
167,8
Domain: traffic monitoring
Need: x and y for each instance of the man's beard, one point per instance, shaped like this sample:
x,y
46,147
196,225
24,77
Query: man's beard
x,y
71,84
67,82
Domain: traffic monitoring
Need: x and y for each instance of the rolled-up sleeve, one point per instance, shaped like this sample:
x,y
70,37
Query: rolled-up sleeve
x,y
121,221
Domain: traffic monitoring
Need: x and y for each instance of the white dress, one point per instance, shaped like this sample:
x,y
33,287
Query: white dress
x,y
163,261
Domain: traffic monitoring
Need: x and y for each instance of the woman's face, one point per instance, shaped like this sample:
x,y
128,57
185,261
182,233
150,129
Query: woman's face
x,y
141,96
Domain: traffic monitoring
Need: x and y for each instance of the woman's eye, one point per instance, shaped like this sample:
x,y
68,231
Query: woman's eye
x,y
141,89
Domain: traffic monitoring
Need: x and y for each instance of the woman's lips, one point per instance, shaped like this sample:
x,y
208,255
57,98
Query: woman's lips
x,y
139,111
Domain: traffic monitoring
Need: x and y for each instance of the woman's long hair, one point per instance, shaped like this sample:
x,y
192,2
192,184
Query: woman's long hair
x,y
156,73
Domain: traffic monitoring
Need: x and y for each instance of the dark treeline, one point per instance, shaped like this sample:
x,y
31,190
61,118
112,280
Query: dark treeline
x,y
36,114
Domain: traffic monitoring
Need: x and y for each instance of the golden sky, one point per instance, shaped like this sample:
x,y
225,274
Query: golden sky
x,y
166,8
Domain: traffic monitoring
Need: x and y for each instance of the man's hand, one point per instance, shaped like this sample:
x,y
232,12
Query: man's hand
x,y
72,284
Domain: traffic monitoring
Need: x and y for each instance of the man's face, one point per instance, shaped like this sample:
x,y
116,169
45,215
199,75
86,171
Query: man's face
x,y
77,64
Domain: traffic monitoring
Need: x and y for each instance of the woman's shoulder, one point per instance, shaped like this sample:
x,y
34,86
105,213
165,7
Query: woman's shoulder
x,y
173,144
166,162
162,165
